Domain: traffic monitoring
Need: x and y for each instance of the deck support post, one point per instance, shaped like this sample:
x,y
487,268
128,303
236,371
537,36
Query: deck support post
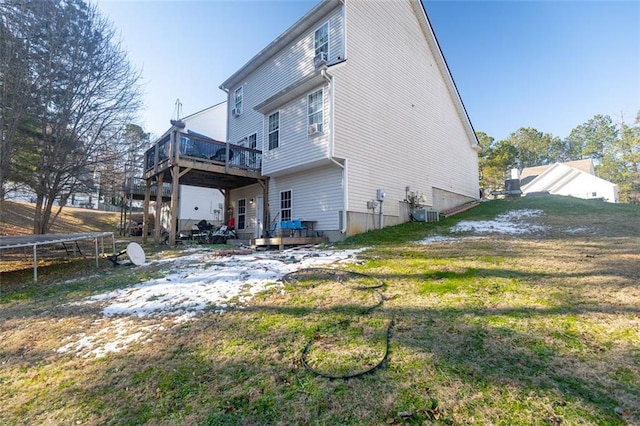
x,y
175,187
264,183
156,231
227,205
145,211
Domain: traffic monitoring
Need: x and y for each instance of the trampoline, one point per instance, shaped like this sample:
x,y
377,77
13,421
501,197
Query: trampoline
x,y
40,240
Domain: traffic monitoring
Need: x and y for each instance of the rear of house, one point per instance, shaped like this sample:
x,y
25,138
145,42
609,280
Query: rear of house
x,y
353,108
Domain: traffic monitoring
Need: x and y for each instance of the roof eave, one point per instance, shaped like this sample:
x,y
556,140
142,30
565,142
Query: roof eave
x,y
296,30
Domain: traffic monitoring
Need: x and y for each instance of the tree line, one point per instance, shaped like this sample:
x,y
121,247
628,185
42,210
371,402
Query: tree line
x,y
614,148
67,94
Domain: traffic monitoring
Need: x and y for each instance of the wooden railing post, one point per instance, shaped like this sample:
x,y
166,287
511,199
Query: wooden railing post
x,y
159,184
226,159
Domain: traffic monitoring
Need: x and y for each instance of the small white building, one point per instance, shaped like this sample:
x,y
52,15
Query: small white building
x,y
573,178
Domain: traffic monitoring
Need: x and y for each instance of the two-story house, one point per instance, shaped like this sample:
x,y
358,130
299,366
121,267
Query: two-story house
x,y
352,104
335,122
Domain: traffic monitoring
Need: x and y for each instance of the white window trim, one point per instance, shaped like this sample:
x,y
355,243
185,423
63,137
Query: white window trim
x,y
328,38
246,207
321,90
269,131
280,203
235,99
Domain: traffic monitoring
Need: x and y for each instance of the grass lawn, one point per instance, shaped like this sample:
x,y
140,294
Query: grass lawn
x,y
539,328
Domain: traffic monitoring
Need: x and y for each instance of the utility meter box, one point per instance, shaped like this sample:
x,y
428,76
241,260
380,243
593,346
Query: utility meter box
x,y
380,195
371,205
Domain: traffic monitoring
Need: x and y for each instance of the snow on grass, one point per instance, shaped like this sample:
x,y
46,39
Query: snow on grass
x,y
198,281
511,222
438,239
202,281
110,339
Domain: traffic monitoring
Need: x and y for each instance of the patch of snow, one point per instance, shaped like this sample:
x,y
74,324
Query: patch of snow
x,y
574,231
506,223
197,282
113,338
437,239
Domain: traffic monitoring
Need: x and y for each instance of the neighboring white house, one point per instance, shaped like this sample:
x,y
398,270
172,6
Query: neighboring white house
x,y
211,121
574,178
352,107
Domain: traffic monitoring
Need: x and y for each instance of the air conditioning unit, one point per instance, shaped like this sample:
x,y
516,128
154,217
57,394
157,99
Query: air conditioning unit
x,y
236,112
320,59
315,128
422,215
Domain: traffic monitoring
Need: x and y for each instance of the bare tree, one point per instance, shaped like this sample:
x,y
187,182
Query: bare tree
x,y
85,90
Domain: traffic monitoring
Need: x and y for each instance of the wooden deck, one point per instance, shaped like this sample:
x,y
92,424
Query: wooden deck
x,y
282,242
185,158
202,162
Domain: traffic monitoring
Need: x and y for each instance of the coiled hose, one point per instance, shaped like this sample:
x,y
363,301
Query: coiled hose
x,y
323,274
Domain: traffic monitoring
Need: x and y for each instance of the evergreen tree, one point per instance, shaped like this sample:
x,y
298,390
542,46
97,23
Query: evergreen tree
x,y
83,90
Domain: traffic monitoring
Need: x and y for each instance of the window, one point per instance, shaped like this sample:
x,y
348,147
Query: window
x,y
242,213
274,130
315,112
237,101
321,40
285,205
253,141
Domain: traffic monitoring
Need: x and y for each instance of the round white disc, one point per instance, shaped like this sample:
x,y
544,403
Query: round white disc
x,y
136,254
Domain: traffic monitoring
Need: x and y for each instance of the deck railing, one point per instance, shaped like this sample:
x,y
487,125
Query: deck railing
x,y
137,186
201,149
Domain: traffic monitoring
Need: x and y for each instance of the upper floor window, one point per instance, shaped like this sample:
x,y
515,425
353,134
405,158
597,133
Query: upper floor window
x,y
315,107
237,101
321,40
274,130
253,141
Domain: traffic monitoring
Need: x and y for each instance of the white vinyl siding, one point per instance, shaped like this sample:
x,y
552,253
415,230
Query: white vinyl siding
x,y
211,122
396,119
285,68
317,194
246,192
296,149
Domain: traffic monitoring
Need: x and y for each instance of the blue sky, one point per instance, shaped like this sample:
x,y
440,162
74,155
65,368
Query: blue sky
x,y
551,65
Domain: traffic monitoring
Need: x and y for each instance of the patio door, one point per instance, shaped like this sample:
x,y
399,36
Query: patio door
x,y
259,216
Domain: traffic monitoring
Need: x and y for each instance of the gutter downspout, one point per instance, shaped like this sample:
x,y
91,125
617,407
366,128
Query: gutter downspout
x,y
225,90
344,168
